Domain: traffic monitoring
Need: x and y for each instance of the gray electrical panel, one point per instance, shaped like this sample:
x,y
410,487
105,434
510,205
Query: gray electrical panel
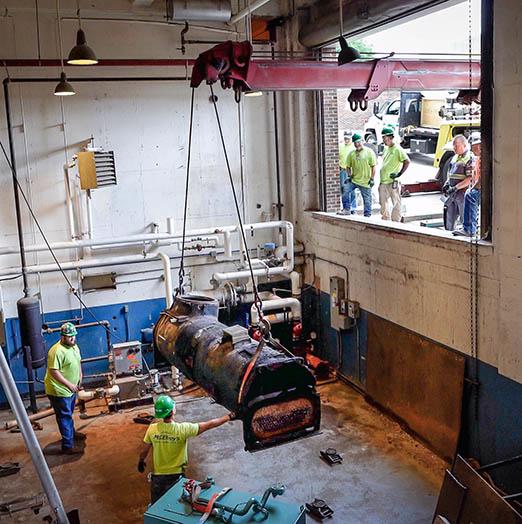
x,y
127,358
339,318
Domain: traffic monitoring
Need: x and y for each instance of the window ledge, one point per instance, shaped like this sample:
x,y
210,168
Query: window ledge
x,y
420,233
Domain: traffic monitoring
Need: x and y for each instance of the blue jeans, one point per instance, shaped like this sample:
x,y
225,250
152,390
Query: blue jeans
x,y
63,409
471,205
349,194
349,201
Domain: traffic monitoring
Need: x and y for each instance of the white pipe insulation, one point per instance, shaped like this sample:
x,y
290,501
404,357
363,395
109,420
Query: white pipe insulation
x,y
167,276
286,268
274,304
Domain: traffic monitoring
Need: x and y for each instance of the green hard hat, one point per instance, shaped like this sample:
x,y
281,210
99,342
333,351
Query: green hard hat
x,y
68,329
356,137
164,406
388,131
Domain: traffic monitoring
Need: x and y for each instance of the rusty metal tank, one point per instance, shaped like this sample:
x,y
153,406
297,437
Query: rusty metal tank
x,y
279,402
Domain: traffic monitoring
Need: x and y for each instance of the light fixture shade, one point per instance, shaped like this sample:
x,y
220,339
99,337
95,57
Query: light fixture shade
x,y
347,54
81,53
63,88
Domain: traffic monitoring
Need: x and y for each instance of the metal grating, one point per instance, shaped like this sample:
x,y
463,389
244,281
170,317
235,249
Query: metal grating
x,y
105,168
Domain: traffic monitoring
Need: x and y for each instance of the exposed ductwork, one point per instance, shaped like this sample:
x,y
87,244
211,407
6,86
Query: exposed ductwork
x,y
199,10
362,16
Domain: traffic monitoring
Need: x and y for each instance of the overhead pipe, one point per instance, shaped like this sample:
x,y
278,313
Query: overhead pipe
x,y
247,11
361,16
199,10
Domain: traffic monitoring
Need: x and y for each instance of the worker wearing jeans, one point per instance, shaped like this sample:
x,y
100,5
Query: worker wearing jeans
x,y
168,440
360,168
62,381
344,149
472,195
394,164
460,171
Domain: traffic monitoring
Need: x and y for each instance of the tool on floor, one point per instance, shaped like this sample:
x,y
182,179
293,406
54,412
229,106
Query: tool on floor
x,y
143,418
330,456
193,502
34,503
9,468
319,509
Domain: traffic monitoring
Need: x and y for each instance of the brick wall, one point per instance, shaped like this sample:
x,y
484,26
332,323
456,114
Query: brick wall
x,y
338,117
331,151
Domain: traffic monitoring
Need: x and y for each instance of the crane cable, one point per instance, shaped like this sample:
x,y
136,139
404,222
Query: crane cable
x,y
257,299
181,271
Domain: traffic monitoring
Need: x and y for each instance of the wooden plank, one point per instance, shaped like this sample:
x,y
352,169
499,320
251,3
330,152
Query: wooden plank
x,y
418,381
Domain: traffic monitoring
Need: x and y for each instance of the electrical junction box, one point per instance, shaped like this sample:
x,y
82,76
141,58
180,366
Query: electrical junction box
x,y
339,318
127,358
353,309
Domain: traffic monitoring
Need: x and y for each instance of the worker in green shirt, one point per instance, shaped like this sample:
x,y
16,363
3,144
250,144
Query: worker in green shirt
x,y
360,169
62,381
395,161
344,149
168,440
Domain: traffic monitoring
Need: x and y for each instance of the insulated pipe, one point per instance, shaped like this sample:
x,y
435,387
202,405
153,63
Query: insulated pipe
x,y
167,276
145,237
199,10
277,303
98,393
31,442
68,202
248,10
361,16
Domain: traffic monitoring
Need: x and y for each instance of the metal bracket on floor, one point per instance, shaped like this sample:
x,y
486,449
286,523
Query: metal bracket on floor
x,y
319,509
331,457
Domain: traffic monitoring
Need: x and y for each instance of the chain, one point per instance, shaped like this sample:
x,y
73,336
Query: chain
x,y
181,272
474,253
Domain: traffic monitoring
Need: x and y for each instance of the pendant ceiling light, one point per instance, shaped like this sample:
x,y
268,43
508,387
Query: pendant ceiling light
x,y
63,88
347,53
81,53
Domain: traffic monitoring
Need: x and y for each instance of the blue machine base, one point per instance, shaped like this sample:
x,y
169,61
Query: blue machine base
x,y
171,509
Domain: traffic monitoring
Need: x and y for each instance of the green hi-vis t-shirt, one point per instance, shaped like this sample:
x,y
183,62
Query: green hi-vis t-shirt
x,y
67,361
361,163
394,157
344,149
169,445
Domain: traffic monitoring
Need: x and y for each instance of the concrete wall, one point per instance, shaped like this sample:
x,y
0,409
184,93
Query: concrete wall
x,y
422,282
145,124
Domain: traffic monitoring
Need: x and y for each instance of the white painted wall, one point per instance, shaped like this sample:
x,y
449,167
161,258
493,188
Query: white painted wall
x,y
146,124
422,282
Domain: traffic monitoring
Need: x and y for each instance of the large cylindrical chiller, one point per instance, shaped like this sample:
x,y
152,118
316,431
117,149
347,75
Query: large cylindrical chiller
x,y
30,319
279,401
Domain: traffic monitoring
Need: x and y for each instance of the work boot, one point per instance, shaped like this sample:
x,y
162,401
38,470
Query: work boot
x,y
75,450
78,435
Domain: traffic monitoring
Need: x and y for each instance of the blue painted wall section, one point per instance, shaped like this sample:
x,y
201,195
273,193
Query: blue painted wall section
x,y
126,322
491,429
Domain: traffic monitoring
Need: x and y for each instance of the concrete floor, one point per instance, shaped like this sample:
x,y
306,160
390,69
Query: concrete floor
x,y
386,476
